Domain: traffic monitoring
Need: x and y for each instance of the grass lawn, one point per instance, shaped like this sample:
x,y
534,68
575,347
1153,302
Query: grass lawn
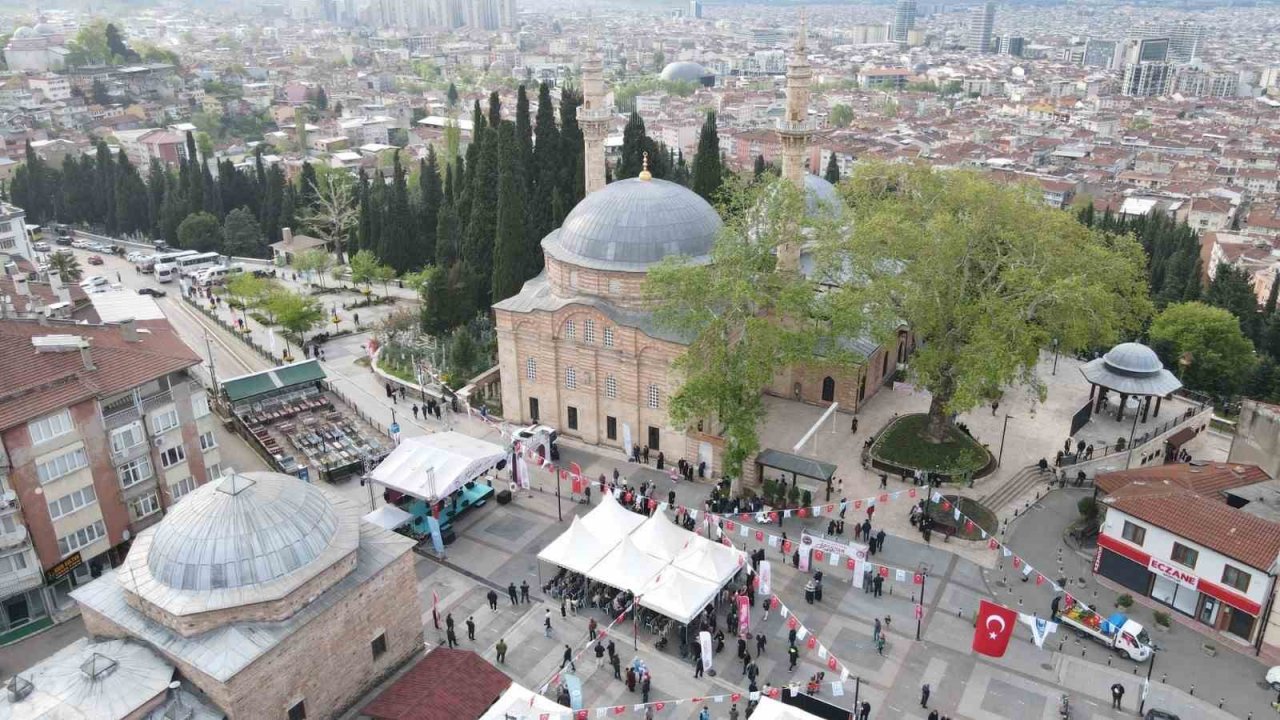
x,y
982,518
904,444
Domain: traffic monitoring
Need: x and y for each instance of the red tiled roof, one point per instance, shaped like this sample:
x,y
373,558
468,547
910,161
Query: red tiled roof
x,y
1211,523
33,384
445,685
1206,479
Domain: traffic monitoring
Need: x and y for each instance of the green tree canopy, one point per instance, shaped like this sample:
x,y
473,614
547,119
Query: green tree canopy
x,y
1232,291
832,174
66,265
984,275
200,232
241,235
1220,356
840,116
295,313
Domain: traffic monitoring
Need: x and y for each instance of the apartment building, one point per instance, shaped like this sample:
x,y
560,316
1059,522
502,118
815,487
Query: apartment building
x,y
14,238
102,428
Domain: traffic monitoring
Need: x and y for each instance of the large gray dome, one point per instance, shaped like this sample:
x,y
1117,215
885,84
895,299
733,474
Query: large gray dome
x,y
242,530
820,196
631,224
1132,369
683,71
1133,358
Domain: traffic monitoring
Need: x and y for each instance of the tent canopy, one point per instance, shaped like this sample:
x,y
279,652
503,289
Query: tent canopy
x,y
711,560
388,517
521,703
679,595
627,567
430,467
770,709
661,538
247,386
610,521
576,549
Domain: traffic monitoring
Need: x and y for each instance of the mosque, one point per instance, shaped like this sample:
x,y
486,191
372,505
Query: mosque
x,y
578,347
36,49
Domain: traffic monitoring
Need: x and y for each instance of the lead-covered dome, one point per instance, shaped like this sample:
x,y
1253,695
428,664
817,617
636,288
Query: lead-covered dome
x,y
1133,369
631,224
684,71
820,196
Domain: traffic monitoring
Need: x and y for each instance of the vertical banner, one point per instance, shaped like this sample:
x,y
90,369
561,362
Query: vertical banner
x,y
859,564
804,559
766,578
744,615
436,540
704,641
626,439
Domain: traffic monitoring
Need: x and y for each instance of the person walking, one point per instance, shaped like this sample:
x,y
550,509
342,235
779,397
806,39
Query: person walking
x,y
853,426
924,695
880,645
809,589
1117,696
746,660
880,540
875,631
705,714
524,591
617,667
501,647
613,651
879,583
448,621
415,411
753,671
493,600
733,712
471,629
568,659
933,715
591,629
599,654
697,666
867,580
884,481
631,679
451,637
864,712
794,655
546,623
742,646
511,593
760,641
644,688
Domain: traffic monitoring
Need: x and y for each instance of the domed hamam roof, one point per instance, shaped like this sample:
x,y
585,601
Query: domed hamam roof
x,y
683,72
820,196
242,539
1131,368
632,224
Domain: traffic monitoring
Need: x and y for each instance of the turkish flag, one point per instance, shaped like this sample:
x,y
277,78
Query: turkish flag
x,y
659,706
946,504
774,693
582,715
993,544
793,623
994,629
735,697
884,571
831,662
817,555
759,536
729,526
775,603
773,517
911,492
786,546
848,563
1039,579
812,641
618,709
804,512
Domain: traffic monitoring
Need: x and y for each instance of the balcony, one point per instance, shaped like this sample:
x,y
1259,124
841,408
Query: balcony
x,y
151,402
11,539
121,417
22,580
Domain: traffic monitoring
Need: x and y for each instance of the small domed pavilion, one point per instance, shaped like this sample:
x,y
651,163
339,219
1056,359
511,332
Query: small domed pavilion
x,y
1133,370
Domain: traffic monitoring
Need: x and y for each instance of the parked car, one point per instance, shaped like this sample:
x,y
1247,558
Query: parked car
x,y
40,246
1159,715
153,292
135,256
81,244
93,281
64,241
95,260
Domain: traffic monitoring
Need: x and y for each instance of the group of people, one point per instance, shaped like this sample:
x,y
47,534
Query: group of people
x,y
430,408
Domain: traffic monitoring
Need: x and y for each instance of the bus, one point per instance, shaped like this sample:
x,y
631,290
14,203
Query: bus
x,y
192,264
166,265
148,264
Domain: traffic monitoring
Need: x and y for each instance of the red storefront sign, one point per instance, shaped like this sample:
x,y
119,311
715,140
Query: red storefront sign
x,y
1213,590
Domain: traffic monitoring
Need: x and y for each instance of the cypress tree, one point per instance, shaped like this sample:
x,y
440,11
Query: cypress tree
x,y
104,188
396,245
377,210
680,172
510,261
758,170
832,175
572,172
211,202
495,109
429,217
633,149
35,199
130,196
524,133
453,96
543,170
195,178
363,227
307,186
1270,308
708,173
156,186
448,235
272,200
477,246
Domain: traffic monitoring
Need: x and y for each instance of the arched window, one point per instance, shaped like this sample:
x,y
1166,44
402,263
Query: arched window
x,y
571,378
611,386
608,337
828,389
570,329
531,368
655,396
588,330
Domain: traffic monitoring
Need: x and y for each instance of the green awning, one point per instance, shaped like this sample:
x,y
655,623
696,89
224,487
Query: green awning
x,y
797,464
244,387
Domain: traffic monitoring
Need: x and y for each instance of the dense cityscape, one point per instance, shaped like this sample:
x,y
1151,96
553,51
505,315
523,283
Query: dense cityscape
x,y
502,360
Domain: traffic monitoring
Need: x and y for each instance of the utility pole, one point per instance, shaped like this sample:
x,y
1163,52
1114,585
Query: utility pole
x,y
1002,433
924,576
213,373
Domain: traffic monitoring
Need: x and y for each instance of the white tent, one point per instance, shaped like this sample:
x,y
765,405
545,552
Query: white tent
x,y
576,549
610,521
678,595
430,467
627,567
661,538
521,703
711,560
388,517
770,709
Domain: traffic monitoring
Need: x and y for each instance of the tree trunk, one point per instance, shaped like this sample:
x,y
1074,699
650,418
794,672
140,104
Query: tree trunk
x,y
939,418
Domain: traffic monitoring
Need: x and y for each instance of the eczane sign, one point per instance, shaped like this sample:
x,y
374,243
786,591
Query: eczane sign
x,y
1182,577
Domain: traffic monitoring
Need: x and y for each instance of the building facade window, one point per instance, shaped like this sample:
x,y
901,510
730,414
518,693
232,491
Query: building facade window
x,y
87,535
379,646
530,369
611,427
608,337
298,711
71,502
164,421
50,426
1184,555
179,489
208,441
125,438
172,456
573,417
610,386
200,405
148,504
588,330
135,471
13,563
62,465
1236,578
570,330
571,378
214,471
655,397
1133,533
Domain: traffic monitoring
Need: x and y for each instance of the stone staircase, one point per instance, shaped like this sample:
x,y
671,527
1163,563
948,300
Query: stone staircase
x,y
1014,488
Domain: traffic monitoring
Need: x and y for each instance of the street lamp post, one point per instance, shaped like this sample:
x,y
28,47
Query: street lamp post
x,y
1055,356
1002,433
920,607
1132,404
1146,684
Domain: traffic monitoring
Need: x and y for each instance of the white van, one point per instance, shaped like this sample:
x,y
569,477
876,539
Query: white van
x,y
218,275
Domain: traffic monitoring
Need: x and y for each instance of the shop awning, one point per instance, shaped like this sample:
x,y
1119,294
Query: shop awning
x,y
796,464
244,387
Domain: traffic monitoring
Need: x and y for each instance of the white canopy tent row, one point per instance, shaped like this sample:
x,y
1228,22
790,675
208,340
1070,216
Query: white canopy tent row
x,y
432,467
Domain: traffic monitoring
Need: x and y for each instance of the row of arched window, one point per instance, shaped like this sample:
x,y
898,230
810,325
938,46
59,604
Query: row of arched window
x,y
653,396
